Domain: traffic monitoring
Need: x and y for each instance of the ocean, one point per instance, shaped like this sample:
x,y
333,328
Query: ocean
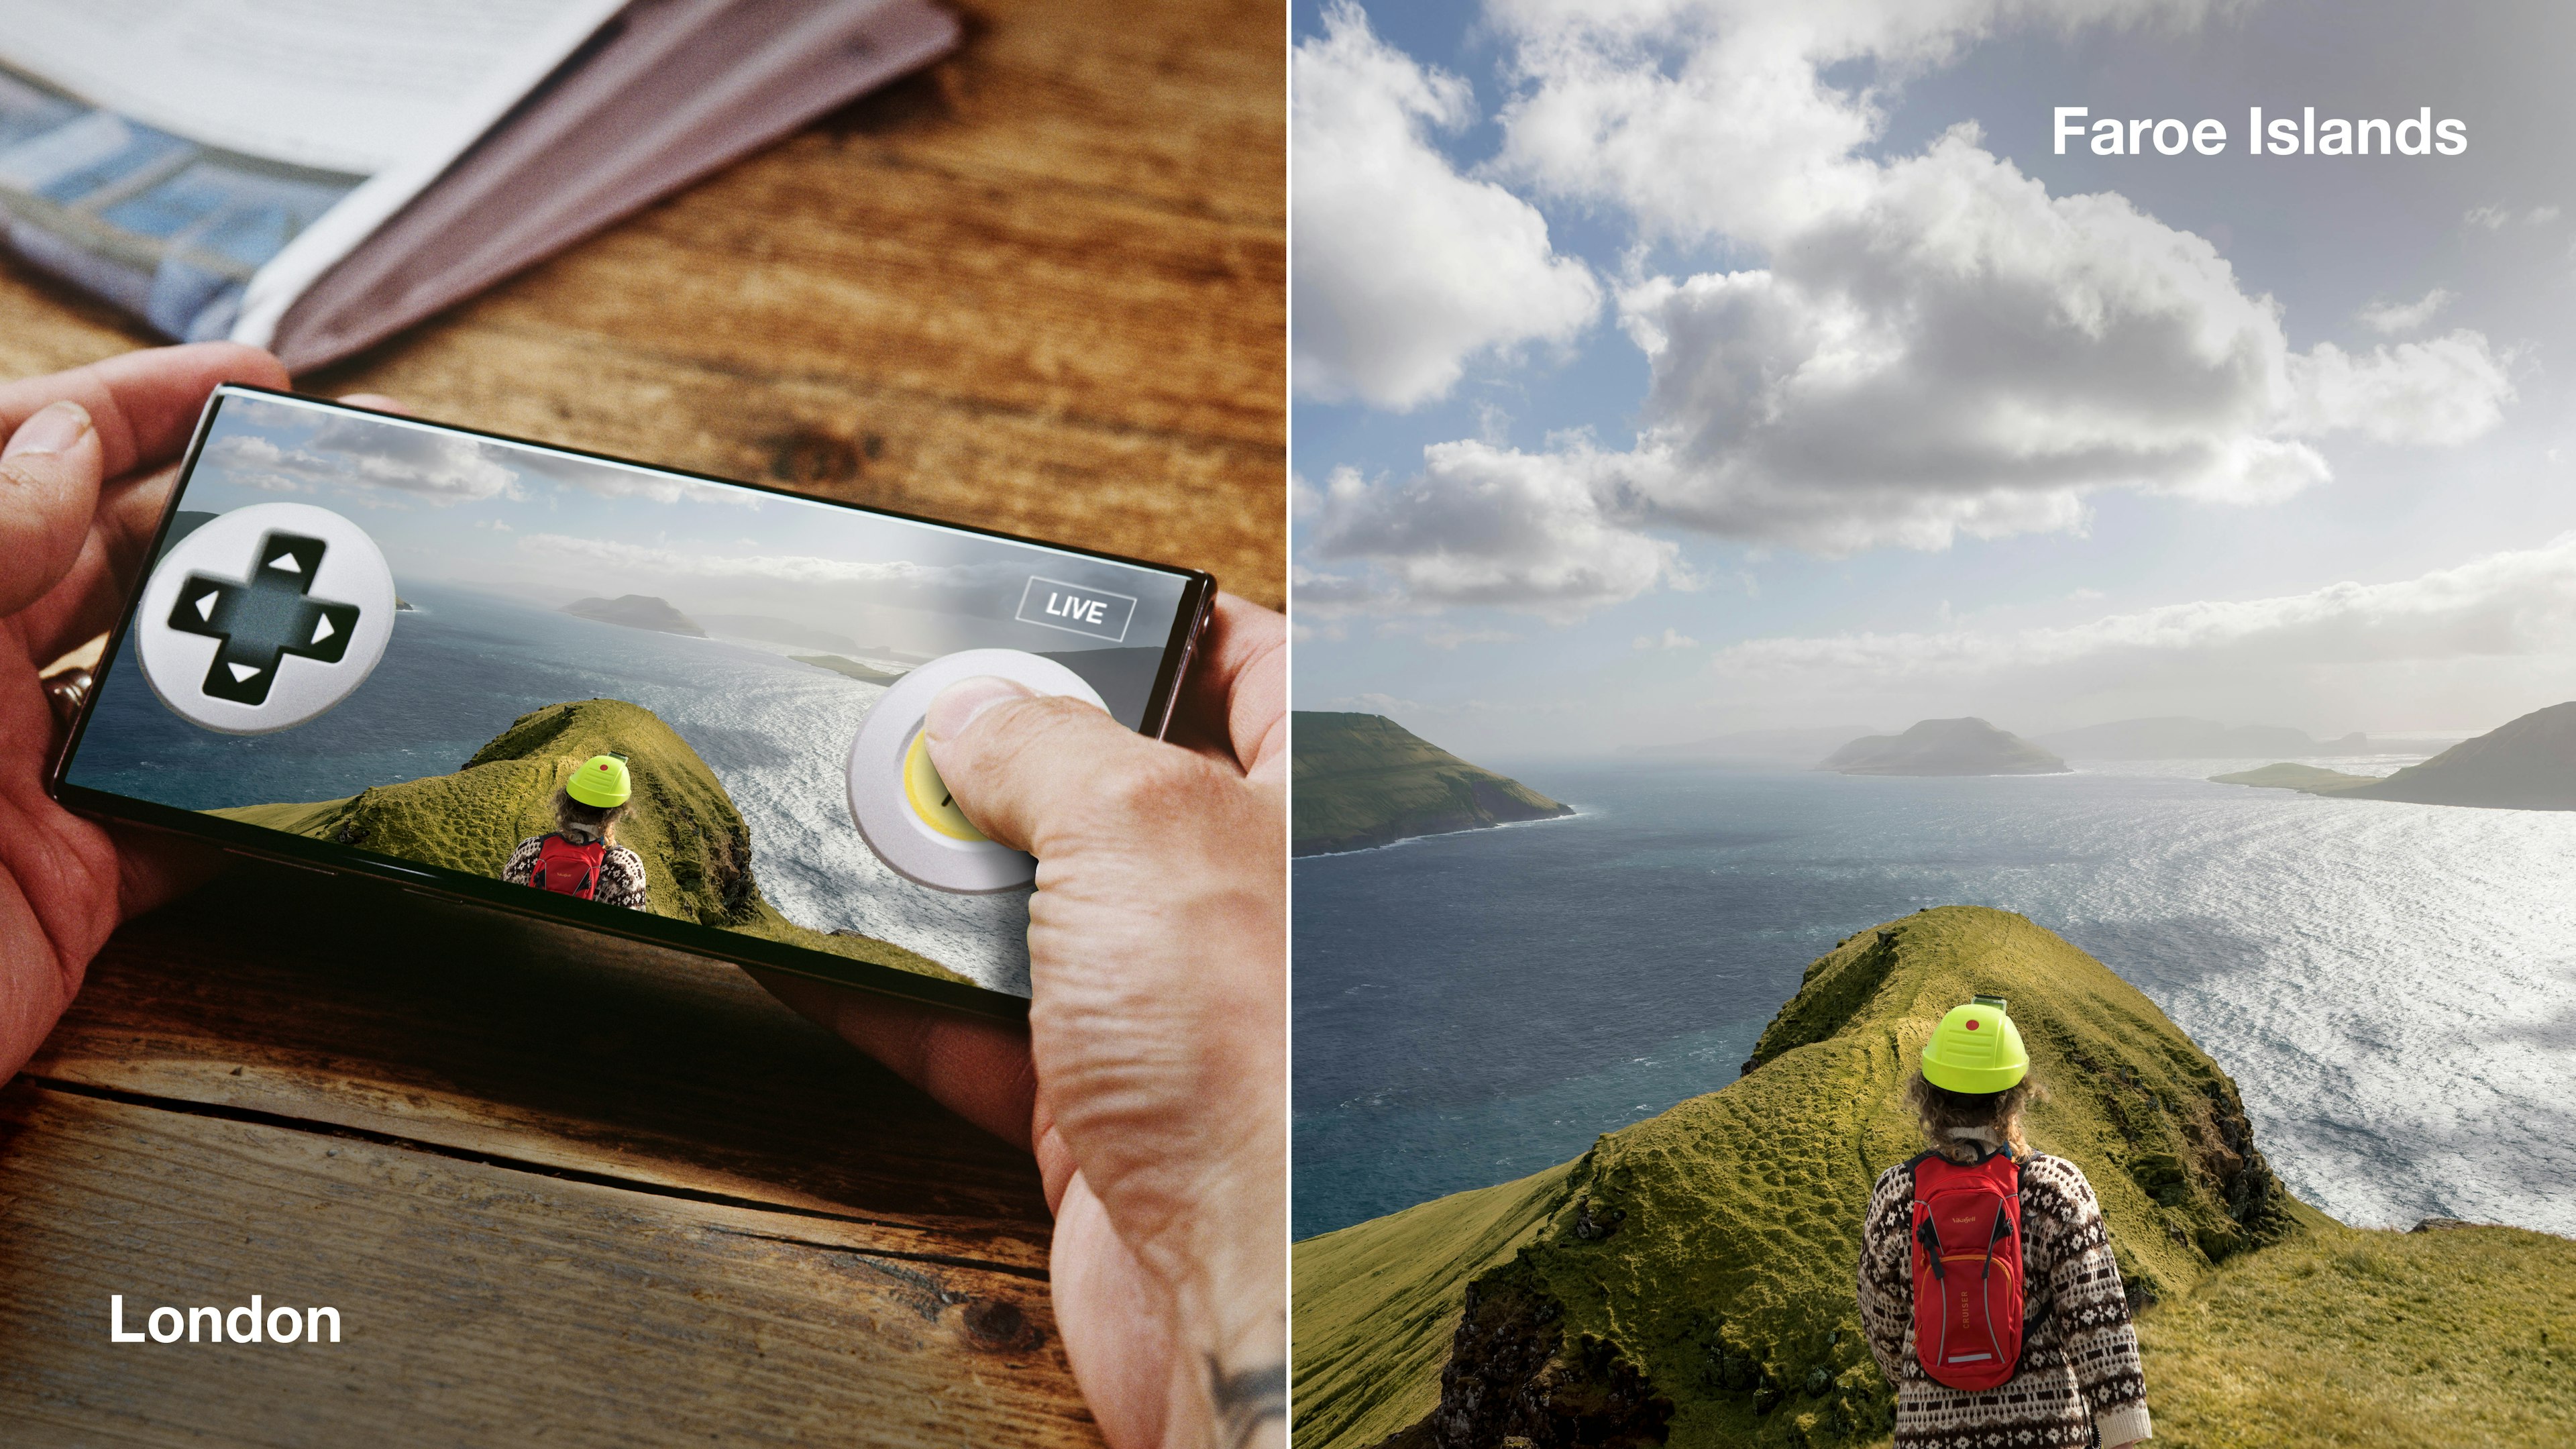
x,y
462,665
2393,987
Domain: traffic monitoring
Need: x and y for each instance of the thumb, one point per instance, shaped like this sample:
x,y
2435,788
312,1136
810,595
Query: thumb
x,y
1037,771
49,479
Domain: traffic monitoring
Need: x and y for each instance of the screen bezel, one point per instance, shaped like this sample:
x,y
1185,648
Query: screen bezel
x,y
1198,597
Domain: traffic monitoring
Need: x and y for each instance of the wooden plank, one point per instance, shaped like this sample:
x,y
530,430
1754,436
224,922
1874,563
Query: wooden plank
x,y
478,1305
1040,288
380,1010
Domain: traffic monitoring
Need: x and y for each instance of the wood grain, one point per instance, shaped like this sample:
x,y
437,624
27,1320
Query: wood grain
x,y
478,1306
571,1190
352,1005
1040,287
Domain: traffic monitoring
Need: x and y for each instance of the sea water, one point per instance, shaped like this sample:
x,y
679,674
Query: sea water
x,y
2393,987
461,666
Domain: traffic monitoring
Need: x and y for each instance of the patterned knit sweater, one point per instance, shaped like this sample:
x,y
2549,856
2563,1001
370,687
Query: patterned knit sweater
x,y
2079,1358
621,872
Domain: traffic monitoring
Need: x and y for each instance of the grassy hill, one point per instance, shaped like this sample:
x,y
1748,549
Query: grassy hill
x,y
695,847
2527,763
1363,780
1691,1276
2311,779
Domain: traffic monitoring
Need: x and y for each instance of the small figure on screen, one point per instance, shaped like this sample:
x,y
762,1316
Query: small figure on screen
x,y
582,858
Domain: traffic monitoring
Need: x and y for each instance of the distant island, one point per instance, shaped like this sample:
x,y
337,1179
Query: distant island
x,y
1944,747
637,611
2526,764
2175,737
1363,780
850,667
1688,1280
2313,779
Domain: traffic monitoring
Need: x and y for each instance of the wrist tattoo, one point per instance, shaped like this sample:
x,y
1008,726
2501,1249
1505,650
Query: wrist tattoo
x,y
1246,1399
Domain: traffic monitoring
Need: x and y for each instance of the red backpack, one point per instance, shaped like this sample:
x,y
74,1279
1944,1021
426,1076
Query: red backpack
x,y
1967,1269
570,869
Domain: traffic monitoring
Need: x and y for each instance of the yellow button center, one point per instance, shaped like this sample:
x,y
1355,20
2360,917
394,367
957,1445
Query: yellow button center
x,y
929,794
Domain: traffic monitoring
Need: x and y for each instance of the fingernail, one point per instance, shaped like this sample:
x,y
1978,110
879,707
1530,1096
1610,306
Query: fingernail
x,y
53,430
958,704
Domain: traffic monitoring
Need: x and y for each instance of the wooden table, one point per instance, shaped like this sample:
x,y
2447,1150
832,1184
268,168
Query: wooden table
x,y
565,1190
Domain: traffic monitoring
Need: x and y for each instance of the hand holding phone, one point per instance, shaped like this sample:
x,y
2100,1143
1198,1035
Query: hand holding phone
x,y
1149,1082
80,496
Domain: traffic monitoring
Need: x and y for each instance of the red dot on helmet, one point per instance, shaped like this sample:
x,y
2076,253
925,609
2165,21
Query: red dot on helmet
x,y
1972,1023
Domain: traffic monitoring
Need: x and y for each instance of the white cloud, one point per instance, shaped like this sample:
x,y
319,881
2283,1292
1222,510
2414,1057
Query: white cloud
x,y
778,568
2394,317
361,456
1482,525
2497,218
1931,345
2510,604
1672,638
1405,269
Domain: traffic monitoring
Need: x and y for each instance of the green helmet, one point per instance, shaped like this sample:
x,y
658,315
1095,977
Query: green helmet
x,y
600,781
1976,1048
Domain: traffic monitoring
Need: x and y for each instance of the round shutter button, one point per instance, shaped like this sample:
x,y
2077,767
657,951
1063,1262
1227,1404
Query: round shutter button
x,y
904,811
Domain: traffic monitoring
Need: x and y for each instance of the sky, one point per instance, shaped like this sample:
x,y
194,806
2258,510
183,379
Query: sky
x,y
551,528
1664,370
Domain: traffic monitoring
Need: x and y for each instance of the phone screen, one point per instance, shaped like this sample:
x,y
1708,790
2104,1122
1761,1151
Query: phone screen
x,y
656,703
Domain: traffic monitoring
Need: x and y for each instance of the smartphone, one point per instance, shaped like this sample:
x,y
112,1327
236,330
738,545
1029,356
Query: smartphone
x,y
640,700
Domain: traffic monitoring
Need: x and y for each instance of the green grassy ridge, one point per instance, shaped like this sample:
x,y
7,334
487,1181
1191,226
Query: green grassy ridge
x,y
2352,1337
2308,779
1364,780
695,847
1726,1274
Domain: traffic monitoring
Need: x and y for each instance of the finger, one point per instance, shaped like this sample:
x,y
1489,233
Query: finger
x,y
88,599
143,404
49,477
155,867
1234,705
975,1068
1117,1333
376,402
1033,771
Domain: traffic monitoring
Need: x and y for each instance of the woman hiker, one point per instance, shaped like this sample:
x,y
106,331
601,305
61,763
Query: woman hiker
x,y
1987,1288
582,857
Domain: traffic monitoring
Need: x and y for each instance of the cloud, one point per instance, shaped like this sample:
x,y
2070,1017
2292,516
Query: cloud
x,y
1404,269
1672,639
614,480
1931,345
362,455
766,568
2392,317
355,454
2511,604
1482,525
2497,218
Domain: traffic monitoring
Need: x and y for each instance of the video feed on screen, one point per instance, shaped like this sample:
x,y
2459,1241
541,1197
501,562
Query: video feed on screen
x,y
623,686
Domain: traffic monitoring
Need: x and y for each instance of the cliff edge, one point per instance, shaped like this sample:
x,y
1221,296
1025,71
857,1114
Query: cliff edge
x,y
1364,780
1689,1279
695,846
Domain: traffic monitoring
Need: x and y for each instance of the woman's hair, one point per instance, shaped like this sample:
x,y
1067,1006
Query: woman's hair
x,y
586,822
1940,1110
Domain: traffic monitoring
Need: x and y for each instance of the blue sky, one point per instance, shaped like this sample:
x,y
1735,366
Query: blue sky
x,y
552,527
1940,422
